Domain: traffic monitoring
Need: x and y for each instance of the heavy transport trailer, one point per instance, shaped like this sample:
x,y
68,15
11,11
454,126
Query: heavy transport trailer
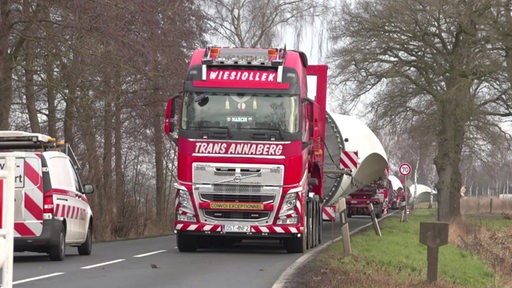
x,y
257,157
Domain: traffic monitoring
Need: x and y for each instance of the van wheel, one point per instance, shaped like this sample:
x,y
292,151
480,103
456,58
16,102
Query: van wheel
x,y
86,247
58,252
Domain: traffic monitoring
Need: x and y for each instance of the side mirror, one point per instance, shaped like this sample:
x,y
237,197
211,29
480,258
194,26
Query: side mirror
x,y
308,109
88,189
170,112
168,115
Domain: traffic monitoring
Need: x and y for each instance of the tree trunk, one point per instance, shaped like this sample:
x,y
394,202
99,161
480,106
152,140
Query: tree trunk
x,y
5,67
450,137
118,159
30,95
51,97
69,118
108,192
159,165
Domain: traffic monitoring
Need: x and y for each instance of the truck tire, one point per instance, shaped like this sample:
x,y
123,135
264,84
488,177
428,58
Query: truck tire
x,y
86,247
310,224
58,252
316,225
297,244
379,211
320,224
186,243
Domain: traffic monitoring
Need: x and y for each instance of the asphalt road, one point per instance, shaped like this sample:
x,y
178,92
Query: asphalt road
x,y
155,262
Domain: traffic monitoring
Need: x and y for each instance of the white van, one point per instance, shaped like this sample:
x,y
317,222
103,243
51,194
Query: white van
x,y
51,207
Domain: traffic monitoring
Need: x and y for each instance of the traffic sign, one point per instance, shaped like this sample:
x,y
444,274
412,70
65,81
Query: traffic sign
x,y
405,169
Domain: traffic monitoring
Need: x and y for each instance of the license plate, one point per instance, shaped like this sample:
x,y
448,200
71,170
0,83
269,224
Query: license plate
x,y
237,228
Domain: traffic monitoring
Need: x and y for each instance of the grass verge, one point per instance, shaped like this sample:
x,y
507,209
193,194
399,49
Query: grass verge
x,y
397,259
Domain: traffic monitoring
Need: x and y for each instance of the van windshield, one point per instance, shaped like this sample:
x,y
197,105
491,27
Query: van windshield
x,y
241,111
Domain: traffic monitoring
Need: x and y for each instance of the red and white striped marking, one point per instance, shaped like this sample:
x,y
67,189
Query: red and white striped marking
x,y
254,229
68,211
348,159
329,213
32,224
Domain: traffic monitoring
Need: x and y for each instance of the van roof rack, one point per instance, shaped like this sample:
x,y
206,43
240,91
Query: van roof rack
x,y
32,141
26,140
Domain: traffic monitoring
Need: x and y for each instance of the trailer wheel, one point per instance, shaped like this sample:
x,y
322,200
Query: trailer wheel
x,y
186,243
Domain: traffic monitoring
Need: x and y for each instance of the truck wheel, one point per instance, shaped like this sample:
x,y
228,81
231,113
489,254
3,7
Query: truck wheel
x,y
310,225
86,247
297,244
320,224
316,224
58,252
378,212
186,243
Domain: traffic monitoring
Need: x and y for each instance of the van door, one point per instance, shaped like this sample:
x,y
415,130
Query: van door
x,y
28,194
64,193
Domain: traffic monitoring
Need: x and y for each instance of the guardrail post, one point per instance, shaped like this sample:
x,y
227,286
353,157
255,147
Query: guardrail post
x,y
7,220
345,233
375,222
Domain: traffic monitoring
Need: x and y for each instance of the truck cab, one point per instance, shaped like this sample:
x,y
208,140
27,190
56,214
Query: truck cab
x,y
250,156
51,210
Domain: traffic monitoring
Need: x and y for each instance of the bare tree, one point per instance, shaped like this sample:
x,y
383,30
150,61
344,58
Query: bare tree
x,y
98,73
253,23
430,64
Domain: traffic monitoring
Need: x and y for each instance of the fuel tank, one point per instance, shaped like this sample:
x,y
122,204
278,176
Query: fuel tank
x,y
344,132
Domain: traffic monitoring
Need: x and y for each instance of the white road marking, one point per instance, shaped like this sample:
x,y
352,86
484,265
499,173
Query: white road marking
x,y
102,264
37,278
149,253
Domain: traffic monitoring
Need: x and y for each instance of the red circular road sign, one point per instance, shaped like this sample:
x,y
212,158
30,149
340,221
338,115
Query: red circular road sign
x,y
405,169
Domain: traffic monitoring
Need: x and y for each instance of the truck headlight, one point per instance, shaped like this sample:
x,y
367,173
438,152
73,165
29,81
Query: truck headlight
x,y
289,203
185,210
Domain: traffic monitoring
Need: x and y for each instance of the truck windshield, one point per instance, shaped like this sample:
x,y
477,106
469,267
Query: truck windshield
x,y
241,111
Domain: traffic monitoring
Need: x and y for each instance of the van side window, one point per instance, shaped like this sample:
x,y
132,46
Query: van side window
x,y
61,173
78,184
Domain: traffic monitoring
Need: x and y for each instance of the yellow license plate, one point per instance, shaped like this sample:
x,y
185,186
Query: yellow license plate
x,y
236,206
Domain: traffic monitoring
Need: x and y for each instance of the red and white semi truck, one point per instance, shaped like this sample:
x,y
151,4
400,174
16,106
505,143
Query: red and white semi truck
x,y
253,149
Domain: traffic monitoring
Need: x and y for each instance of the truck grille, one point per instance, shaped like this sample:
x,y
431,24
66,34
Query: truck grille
x,y
237,183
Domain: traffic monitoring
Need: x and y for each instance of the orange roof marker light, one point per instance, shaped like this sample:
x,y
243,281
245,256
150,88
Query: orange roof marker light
x,y
214,51
272,52
275,54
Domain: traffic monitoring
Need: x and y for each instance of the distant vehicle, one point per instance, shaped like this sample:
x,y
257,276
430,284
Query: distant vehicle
x,y
397,197
51,207
376,193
